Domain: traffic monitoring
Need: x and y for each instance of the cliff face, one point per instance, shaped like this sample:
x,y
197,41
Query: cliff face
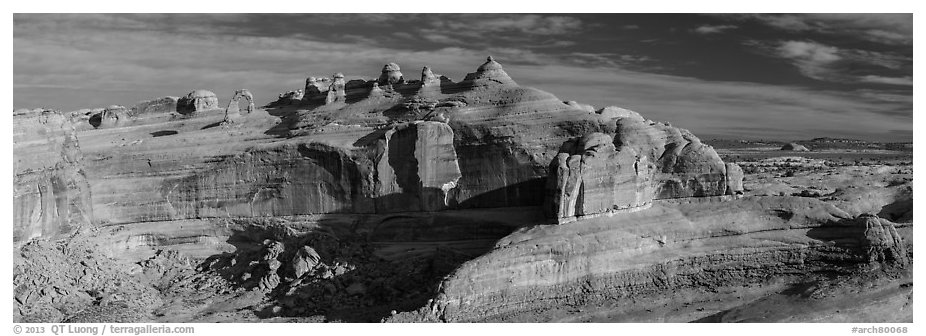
x,y
381,146
645,161
51,194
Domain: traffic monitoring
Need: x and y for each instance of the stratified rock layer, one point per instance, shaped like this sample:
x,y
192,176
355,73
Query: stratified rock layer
x,y
400,181
670,246
51,195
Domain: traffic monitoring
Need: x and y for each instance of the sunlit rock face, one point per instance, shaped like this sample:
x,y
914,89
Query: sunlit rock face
x,y
645,161
51,194
392,145
196,101
161,105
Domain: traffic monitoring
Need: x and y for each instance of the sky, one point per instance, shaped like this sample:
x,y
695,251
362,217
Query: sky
x,y
749,76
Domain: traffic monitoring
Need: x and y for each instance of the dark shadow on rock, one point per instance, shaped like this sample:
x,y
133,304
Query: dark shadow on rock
x,y
288,115
900,211
526,193
163,133
371,138
215,124
447,86
96,120
796,291
367,267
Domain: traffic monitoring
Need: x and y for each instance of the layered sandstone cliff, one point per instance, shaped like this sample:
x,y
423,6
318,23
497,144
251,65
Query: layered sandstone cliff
x,y
381,194
51,193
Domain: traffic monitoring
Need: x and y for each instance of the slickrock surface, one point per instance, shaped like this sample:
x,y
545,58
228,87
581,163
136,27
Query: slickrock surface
x,y
664,248
410,200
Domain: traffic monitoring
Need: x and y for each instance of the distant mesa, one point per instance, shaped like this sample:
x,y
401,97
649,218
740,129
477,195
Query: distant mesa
x,y
794,147
196,101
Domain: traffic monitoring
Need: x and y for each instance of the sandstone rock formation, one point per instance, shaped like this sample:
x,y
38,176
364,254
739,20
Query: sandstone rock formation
x,y
51,194
232,112
199,100
489,73
595,174
734,175
623,258
591,176
114,116
418,168
390,75
316,88
580,106
354,199
791,146
305,261
155,106
614,112
336,91
877,240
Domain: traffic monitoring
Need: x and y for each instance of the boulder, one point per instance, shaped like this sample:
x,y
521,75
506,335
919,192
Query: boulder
x,y
161,105
879,241
305,260
390,75
734,174
197,101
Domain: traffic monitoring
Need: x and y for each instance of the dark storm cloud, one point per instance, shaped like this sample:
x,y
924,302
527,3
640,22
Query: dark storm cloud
x,y
792,74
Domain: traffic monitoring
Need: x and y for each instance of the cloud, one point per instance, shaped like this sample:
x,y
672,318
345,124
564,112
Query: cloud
x,y
812,59
709,29
906,81
67,65
501,25
880,28
829,63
